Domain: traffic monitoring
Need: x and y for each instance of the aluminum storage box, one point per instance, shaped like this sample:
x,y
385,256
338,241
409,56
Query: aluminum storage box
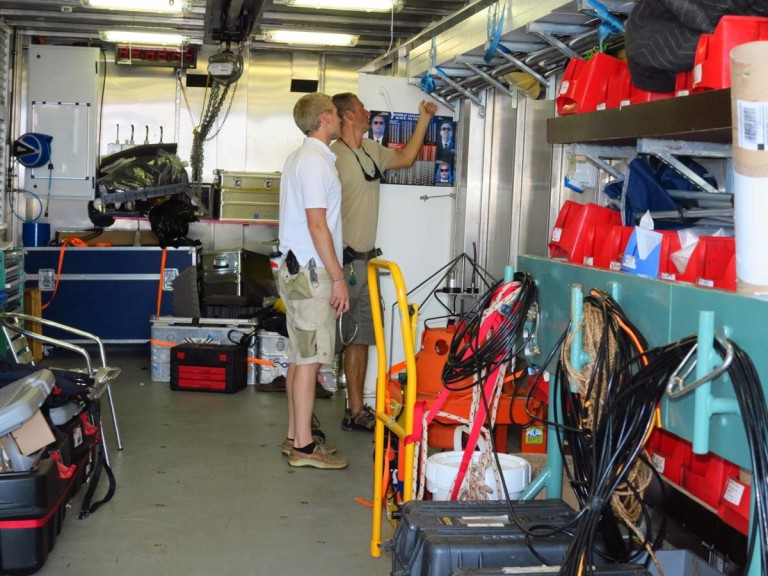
x,y
248,196
237,272
274,347
168,331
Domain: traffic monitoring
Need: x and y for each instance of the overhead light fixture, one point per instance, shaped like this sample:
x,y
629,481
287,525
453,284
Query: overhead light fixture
x,y
311,38
165,6
357,5
144,38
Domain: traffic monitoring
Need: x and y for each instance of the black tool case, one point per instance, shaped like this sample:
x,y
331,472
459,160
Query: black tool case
x,y
209,367
435,537
32,510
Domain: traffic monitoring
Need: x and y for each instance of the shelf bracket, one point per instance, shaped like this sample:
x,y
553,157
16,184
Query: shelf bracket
x,y
491,80
666,150
547,33
596,155
523,66
459,88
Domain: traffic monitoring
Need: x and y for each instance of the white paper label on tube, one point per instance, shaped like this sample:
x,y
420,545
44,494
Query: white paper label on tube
x,y
752,124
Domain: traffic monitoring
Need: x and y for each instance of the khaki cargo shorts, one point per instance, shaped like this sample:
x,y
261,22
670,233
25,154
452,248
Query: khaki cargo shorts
x,y
358,322
310,319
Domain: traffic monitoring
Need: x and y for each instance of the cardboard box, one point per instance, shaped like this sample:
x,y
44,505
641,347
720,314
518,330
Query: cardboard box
x,y
33,435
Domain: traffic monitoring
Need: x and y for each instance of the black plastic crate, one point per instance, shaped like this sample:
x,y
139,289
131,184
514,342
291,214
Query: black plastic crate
x,y
32,511
209,367
434,537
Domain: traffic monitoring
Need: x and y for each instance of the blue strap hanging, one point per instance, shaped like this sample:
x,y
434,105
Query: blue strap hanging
x,y
611,25
494,30
427,83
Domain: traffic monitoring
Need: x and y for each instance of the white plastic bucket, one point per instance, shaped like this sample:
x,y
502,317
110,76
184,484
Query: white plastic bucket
x,y
442,468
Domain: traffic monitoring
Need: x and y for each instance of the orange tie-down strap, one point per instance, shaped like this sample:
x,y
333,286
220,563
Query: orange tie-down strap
x,y
251,360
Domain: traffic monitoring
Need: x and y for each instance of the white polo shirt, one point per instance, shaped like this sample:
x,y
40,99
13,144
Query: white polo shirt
x,y
309,180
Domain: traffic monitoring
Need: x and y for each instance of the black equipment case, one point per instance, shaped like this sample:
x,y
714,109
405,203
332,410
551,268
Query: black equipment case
x,y
33,502
33,509
617,570
435,537
209,367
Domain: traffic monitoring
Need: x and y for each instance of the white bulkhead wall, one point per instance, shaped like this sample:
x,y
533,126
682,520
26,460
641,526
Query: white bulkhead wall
x,y
257,136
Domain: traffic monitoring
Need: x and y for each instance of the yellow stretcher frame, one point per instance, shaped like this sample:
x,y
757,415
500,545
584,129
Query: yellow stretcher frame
x,y
383,419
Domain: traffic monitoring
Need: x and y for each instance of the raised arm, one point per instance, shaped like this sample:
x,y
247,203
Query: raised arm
x,y
405,157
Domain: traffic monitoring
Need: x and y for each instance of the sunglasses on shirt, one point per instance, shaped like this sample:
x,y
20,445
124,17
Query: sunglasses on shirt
x,y
376,175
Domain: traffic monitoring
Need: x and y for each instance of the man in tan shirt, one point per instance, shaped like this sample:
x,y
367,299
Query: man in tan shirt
x,y
360,163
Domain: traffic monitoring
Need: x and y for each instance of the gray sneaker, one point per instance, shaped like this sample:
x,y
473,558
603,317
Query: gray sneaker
x,y
363,421
287,446
320,458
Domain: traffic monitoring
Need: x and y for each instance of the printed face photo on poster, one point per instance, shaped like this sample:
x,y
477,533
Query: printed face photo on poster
x,y
395,129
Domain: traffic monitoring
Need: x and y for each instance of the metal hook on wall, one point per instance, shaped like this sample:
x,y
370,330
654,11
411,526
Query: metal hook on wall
x,y
676,386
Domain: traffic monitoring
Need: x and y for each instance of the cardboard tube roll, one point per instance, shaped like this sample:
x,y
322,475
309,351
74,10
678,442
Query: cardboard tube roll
x,y
749,114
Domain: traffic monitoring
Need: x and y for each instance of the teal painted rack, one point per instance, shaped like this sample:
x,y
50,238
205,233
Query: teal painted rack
x,y
664,312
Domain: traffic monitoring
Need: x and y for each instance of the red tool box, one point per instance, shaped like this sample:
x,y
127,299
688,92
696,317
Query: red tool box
x,y
209,367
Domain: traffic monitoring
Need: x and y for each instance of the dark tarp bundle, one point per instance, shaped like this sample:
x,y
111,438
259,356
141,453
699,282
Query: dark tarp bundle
x,y
646,191
170,223
661,36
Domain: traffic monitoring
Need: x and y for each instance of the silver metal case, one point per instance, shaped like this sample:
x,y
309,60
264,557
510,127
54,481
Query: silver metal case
x,y
253,196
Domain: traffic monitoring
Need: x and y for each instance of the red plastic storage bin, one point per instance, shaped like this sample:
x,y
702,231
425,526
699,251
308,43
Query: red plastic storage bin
x,y
638,96
604,245
570,230
669,245
707,476
617,90
683,82
585,83
712,264
735,505
669,454
712,63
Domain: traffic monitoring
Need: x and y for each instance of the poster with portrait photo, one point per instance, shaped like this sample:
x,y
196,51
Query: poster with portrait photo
x,y
394,129
444,173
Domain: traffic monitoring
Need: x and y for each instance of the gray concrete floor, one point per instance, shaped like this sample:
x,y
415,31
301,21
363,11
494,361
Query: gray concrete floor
x,y
203,489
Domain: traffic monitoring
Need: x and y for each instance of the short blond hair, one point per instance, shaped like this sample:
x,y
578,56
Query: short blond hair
x,y
307,111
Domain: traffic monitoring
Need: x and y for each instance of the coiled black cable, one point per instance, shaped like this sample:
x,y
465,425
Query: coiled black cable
x,y
468,357
617,440
475,360
754,413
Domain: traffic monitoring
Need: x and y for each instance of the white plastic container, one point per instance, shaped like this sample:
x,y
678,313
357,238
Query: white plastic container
x,y
442,468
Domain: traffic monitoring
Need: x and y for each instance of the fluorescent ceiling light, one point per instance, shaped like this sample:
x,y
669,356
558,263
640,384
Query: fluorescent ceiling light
x,y
139,5
315,38
357,5
151,38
